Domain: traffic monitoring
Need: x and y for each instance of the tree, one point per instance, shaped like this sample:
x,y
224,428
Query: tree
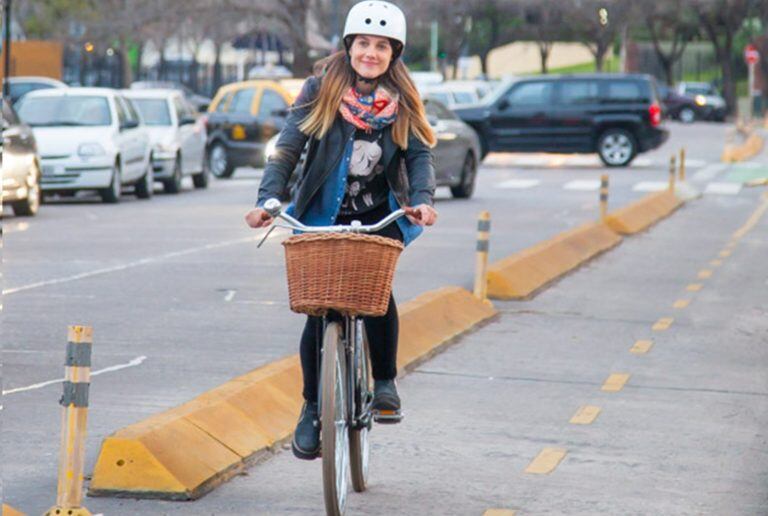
x,y
597,24
720,20
494,23
672,21
545,24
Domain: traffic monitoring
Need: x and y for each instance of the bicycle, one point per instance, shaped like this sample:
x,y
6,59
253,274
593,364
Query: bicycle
x,y
345,386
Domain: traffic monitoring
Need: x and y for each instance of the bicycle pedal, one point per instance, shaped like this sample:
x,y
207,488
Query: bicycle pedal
x,y
388,417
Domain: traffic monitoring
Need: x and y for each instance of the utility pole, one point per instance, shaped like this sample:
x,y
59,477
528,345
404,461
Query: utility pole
x,y
6,47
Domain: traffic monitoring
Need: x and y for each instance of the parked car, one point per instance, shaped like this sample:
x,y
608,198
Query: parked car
x,y
711,103
19,86
200,102
615,115
450,95
20,164
679,106
243,116
457,152
176,134
89,139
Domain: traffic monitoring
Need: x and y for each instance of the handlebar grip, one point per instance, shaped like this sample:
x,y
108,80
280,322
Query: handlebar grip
x,y
273,207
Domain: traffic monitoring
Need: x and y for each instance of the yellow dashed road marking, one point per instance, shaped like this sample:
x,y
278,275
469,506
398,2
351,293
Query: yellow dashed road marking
x,y
681,303
725,253
499,512
694,287
546,461
716,263
705,273
754,219
641,346
615,382
585,415
663,324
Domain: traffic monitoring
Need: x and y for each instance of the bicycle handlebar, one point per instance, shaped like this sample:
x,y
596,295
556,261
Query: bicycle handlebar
x,y
274,208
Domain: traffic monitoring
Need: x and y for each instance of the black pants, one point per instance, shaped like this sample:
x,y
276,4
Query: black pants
x,y
382,331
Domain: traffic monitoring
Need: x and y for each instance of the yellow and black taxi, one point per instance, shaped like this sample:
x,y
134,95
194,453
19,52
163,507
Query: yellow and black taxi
x,y
241,119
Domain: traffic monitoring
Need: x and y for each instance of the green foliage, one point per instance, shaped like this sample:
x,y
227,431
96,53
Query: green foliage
x,y
50,18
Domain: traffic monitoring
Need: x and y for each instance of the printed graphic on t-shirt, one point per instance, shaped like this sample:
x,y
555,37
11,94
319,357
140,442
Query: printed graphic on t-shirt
x,y
364,170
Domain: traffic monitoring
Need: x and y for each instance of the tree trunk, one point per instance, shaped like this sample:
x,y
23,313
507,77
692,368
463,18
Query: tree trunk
x,y
302,64
217,67
545,48
484,62
163,65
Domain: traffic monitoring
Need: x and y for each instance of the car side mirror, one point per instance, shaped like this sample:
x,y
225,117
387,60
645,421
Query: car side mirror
x,y
129,124
202,108
187,120
503,104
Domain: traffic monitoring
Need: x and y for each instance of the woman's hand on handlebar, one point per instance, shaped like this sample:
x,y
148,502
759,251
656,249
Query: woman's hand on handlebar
x,y
258,218
421,215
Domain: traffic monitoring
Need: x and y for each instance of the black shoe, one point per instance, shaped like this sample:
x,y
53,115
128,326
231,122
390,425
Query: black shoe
x,y
386,402
306,437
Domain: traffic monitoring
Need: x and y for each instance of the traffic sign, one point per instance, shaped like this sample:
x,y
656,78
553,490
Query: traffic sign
x,y
751,55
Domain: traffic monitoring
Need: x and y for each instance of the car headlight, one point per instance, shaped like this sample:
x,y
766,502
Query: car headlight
x,y
91,149
700,100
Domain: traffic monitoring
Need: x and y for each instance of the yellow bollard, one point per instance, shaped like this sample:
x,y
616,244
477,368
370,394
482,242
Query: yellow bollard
x,y
672,171
481,263
681,175
603,197
74,416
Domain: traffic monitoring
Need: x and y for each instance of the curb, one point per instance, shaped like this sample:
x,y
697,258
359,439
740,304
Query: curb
x,y
243,420
10,511
747,150
642,214
522,274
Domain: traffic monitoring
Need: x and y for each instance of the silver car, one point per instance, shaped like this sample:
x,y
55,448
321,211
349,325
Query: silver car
x,y
20,164
177,135
89,139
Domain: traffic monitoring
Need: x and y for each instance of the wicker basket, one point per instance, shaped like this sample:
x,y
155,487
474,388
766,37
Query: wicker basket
x,y
347,272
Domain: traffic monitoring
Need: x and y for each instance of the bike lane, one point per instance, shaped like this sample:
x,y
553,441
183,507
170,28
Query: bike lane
x,y
663,340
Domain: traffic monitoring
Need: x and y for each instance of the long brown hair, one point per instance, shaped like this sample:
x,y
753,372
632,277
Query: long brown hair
x,y
339,77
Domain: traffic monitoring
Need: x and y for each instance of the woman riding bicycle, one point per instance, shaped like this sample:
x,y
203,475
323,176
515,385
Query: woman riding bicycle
x,y
368,155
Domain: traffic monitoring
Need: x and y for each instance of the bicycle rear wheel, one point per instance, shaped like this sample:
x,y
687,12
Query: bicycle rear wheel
x,y
334,423
359,449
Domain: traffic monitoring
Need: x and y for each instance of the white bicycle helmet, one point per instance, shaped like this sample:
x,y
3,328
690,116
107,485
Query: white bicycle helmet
x,y
376,18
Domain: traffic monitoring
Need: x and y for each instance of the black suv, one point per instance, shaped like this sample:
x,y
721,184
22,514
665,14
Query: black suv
x,y
615,115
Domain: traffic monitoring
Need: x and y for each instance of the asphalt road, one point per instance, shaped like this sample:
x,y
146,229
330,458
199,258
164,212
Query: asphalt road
x,y
181,301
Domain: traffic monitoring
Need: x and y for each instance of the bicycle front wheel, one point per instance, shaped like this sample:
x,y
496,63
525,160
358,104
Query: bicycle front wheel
x,y
359,448
334,423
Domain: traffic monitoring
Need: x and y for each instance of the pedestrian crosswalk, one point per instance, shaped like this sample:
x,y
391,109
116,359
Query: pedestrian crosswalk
x,y
592,185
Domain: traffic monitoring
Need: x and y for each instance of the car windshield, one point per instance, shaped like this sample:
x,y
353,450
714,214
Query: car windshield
x,y
463,97
153,111
700,90
65,110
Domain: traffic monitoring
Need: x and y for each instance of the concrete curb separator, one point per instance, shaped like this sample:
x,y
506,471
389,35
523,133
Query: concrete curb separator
x,y
748,149
243,420
10,511
642,214
519,276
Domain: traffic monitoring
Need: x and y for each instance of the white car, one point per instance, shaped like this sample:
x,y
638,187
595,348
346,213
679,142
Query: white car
x,y
89,139
177,135
451,95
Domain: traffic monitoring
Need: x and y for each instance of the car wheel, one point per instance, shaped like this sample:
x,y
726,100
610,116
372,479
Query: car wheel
x,y
202,178
218,161
30,206
145,187
617,147
466,188
111,194
173,185
687,115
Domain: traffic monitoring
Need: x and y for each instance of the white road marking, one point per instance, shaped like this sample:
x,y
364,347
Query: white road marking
x,y
143,261
230,295
136,361
650,186
695,163
582,185
709,172
519,183
723,188
17,228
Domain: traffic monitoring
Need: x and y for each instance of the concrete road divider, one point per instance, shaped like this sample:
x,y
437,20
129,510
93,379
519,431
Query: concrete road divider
x,y
750,148
642,214
10,511
519,276
185,452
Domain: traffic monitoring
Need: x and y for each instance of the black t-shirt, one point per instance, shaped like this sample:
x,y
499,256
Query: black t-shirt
x,y
367,186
